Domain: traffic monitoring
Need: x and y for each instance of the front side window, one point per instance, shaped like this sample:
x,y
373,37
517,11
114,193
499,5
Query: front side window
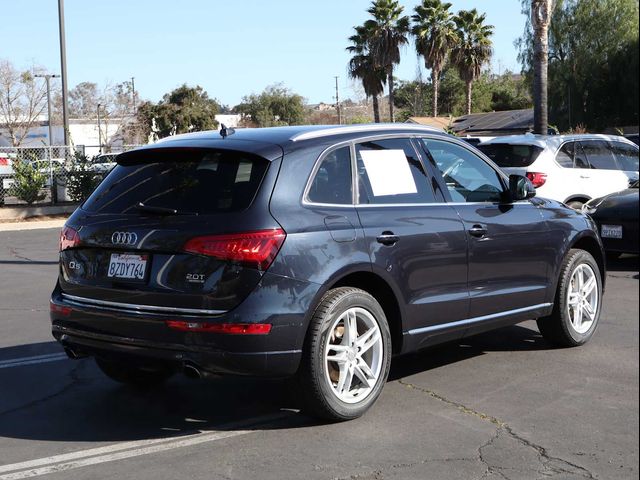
x,y
599,155
389,171
332,181
467,176
627,156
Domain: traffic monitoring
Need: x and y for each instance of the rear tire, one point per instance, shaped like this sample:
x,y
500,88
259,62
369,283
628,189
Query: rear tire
x,y
133,375
578,302
347,355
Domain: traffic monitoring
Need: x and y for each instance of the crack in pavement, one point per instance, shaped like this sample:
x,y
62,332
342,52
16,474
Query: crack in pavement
x,y
75,381
549,465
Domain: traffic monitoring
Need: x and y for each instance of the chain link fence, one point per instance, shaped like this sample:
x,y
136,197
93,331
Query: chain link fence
x,y
52,175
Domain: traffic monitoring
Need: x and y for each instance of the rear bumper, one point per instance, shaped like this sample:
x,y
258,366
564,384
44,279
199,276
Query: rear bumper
x,y
143,337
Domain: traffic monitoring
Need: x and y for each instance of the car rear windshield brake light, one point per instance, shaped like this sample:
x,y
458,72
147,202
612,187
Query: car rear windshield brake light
x,y
228,328
256,249
538,179
69,238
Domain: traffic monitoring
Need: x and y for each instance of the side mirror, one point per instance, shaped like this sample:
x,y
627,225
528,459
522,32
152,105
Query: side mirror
x,y
520,188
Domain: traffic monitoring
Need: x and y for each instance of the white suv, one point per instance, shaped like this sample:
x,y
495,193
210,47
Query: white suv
x,y
572,169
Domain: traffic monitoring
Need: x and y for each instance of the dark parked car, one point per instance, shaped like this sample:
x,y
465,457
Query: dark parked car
x,y
314,252
617,216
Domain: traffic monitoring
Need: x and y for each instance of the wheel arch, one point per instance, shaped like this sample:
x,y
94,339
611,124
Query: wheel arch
x,y
590,244
379,289
580,197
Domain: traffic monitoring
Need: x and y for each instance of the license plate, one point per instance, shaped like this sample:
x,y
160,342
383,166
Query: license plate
x,y
611,231
127,266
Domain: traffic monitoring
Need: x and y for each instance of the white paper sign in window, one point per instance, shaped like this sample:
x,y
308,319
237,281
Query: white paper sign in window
x,y
388,172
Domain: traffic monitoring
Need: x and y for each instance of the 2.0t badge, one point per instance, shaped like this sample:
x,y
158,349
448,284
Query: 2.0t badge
x,y
124,238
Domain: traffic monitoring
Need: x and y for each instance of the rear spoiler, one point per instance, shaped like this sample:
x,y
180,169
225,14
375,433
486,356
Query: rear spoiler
x,y
185,149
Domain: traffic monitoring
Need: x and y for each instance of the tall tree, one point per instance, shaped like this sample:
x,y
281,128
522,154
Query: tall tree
x,y
593,62
362,66
275,106
388,31
473,47
22,100
540,19
185,109
435,34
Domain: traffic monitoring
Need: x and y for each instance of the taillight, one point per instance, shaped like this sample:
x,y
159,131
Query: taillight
x,y
4,161
538,179
228,328
55,308
255,249
69,238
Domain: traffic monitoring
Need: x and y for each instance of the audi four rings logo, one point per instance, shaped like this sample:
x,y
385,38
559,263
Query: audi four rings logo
x,y
124,238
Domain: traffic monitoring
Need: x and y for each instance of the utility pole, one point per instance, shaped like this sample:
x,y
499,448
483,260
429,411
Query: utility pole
x,y
48,78
133,94
99,131
338,103
63,71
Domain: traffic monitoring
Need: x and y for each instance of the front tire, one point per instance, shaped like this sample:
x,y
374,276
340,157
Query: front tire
x,y
578,302
133,375
347,355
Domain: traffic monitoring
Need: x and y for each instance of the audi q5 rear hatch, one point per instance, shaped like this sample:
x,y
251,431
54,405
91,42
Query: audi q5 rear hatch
x,y
184,230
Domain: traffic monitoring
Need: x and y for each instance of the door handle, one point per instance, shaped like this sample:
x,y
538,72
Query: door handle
x,y
478,231
387,238
585,176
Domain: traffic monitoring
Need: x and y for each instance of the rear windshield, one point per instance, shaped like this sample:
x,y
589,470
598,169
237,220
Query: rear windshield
x,y
506,155
201,183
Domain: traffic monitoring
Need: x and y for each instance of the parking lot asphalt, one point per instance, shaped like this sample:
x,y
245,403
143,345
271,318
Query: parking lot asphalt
x,y
502,405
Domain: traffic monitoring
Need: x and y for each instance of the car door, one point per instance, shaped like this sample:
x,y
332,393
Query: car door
x,y
604,176
416,240
509,246
573,182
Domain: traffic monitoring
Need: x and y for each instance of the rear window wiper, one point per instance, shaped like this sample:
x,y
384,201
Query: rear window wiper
x,y
160,210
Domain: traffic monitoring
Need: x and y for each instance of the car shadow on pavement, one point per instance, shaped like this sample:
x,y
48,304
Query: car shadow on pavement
x,y
71,401
515,338
626,263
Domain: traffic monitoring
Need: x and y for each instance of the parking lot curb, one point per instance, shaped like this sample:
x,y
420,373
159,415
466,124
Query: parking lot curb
x,y
19,213
34,225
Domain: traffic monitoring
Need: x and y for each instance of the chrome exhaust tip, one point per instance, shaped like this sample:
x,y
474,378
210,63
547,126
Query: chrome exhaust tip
x,y
191,371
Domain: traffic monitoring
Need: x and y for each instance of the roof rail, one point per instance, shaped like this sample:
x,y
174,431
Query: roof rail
x,y
325,132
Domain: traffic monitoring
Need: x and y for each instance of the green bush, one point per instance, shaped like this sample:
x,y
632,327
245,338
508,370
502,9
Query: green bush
x,y
27,182
81,179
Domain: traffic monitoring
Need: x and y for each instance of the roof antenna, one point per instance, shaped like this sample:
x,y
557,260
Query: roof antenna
x,y
226,131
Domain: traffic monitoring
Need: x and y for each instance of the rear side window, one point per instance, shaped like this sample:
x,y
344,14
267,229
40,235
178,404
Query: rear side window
x,y
599,155
626,155
389,171
506,155
571,155
199,183
332,181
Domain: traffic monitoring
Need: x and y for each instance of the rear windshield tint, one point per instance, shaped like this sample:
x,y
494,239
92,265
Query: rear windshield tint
x,y
200,183
506,155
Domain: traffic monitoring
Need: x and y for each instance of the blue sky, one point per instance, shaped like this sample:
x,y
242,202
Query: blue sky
x,y
231,48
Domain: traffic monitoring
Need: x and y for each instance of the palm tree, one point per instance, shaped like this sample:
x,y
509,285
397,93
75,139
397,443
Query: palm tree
x,y
472,48
362,66
388,32
540,19
435,34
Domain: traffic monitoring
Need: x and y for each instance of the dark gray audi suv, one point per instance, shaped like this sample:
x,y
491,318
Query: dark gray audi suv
x,y
314,252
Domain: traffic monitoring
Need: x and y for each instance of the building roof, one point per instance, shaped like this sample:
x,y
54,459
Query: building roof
x,y
506,121
436,122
